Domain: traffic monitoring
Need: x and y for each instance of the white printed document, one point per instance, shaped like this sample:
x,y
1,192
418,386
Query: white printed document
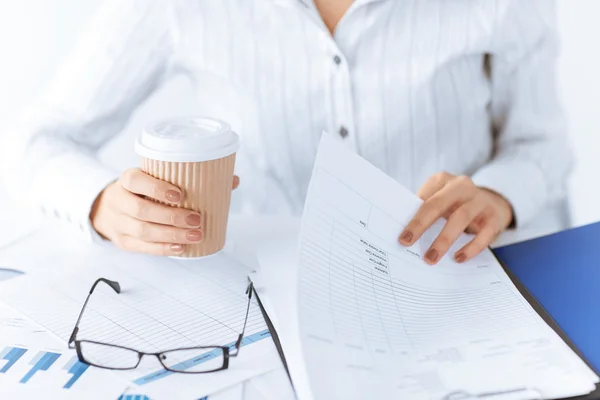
x,y
377,322
33,364
164,304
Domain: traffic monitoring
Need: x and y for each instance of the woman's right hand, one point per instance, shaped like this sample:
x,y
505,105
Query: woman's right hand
x,y
134,223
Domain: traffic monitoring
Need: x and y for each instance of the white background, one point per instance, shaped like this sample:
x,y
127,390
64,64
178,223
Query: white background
x,y
35,35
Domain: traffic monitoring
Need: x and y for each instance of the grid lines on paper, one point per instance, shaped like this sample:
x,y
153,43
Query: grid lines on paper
x,y
368,305
195,306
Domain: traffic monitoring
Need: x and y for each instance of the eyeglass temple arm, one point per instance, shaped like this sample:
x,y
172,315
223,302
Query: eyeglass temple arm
x,y
114,286
238,342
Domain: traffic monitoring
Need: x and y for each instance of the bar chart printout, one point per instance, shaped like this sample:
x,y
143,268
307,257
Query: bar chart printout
x,y
34,364
28,372
377,322
11,355
76,368
163,305
41,362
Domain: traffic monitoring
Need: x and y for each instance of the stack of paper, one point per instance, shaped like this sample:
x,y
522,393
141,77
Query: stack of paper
x,y
164,304
377,322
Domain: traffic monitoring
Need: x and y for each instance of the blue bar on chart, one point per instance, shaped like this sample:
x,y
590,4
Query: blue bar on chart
x,y
134,397
197,360
11,355
76,368
41,362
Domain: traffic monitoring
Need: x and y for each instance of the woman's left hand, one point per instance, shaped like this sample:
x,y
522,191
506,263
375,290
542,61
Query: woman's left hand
x,y
466,207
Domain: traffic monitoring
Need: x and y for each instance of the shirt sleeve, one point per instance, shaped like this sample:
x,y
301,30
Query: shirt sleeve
x,y
532,156
50,157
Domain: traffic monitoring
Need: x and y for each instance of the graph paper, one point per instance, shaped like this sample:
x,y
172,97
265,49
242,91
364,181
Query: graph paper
x,y
164,304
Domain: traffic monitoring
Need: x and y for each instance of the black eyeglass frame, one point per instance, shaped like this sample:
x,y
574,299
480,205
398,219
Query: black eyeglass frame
x,y
74,343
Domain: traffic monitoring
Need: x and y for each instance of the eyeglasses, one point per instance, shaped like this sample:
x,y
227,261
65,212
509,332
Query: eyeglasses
x,y
189,360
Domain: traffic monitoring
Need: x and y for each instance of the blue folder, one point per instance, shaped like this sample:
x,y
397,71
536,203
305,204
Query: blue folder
x,y
560,276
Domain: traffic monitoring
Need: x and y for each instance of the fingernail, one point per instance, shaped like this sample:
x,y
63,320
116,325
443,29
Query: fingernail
x,y
406,237
194,236
432,255
173,196
460,257
177,248
193,220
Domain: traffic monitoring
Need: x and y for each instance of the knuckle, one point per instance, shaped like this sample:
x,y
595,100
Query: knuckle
x,y
140,230
483,240
174,236
493,213
163,250
433,206
496,232
416,224
477,247
462,214
426,214
465,181
129,177
441,177
442,242
164,234
139,207
154,190
482,245
172,217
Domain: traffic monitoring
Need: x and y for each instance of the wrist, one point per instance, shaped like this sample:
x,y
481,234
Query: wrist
x,y
95,210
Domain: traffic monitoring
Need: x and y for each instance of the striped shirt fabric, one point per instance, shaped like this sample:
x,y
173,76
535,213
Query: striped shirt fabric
x,y
414,86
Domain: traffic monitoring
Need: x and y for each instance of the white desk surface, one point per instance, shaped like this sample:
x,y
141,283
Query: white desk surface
x,y
271,239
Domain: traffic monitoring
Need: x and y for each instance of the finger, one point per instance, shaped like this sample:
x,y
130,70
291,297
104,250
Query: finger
x,y
483,239
477,224
433,185
138,182
156,233
149,211
236,181
458,221
456,192
136,245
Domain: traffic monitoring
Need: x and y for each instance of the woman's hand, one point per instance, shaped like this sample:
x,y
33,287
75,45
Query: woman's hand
x,y
122,215
466,207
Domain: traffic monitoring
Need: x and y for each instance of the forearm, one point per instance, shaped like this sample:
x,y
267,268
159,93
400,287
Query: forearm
x,y
532,158
50,158
53,176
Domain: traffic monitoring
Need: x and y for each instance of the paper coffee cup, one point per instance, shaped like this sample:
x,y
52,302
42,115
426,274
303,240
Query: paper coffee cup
x,y
197,155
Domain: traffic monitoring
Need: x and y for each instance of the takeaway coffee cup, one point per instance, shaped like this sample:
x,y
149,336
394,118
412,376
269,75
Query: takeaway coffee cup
x,y
196,154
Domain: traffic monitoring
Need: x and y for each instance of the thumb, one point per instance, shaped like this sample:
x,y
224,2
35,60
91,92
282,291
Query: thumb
x,y
236,181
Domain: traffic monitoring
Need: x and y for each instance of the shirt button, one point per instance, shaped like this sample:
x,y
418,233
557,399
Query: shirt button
x,y
337,60
343,132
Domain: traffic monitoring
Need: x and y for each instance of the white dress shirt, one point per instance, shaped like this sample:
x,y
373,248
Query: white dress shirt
x,y
414,86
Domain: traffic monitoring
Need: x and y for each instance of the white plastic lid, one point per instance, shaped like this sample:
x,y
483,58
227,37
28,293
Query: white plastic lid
x,y
190,139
